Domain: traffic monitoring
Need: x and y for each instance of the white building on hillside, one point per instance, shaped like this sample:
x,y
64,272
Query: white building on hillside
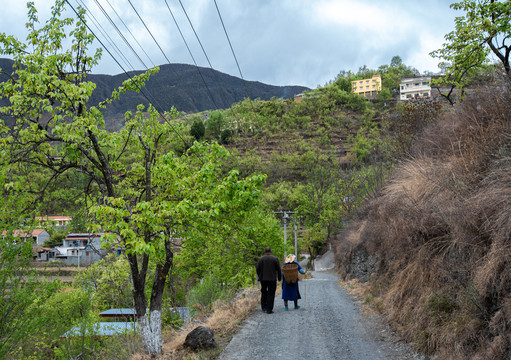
x,y
414,88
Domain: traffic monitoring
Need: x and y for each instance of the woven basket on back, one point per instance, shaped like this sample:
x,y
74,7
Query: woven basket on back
x,y
290,273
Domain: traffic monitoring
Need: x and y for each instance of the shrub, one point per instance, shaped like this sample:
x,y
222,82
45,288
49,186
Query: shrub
x,y
206,292
198,129
226,136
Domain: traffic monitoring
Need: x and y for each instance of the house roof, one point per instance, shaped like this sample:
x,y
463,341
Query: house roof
x,y
55,217
25,233
118,313
183,312
84,236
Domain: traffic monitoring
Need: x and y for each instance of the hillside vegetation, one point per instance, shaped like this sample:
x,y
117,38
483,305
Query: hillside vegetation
x,y
435,242
185,87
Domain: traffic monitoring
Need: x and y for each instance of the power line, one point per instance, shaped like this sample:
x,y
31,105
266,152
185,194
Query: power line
x,y
232,50
120,33
204,51
134,38
229,40
149,31
163,52
135,82
105,35
190,52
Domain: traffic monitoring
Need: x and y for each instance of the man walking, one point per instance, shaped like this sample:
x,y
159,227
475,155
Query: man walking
x,y
268,271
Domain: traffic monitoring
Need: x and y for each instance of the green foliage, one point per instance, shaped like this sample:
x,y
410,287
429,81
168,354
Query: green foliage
x,y
206,292
484,29
215,124
226,136
230,253
313,240
393,74
198,130
20,287
108,283
55,239
343,81
280,196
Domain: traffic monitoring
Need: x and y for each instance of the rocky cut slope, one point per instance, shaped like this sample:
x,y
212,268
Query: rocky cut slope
x,y
435,244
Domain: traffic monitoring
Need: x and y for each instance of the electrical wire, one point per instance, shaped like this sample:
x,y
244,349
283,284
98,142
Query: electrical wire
x,y
120,33
105,35
163,52
135,82
134,38
232,50
191,55
229,40
204,51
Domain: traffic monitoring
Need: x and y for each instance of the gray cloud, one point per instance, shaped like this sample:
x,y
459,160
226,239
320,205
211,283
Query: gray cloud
x,y
276,42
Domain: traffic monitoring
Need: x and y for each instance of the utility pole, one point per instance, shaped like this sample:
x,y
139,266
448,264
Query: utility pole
x,y
296,239
285,217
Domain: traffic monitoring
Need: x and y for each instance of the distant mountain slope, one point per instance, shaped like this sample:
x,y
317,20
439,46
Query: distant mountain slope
x,y
181,86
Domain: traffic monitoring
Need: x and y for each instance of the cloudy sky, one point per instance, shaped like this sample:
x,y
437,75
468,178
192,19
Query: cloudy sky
x,y
278,42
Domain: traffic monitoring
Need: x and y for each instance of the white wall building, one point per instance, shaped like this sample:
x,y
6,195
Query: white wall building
x,y
414,88
80,249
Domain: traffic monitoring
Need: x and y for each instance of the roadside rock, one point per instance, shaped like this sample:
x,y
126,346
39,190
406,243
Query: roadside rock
x,y
201,337
362,264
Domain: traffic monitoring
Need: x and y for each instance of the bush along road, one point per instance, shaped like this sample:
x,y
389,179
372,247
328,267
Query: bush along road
x,y
328,325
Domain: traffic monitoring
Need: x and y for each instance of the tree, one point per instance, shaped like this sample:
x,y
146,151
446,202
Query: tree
x,y
485,28
215,124
20,286
140,193
396,61
198,130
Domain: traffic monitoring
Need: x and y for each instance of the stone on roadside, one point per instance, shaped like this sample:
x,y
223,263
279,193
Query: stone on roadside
x,y
201,337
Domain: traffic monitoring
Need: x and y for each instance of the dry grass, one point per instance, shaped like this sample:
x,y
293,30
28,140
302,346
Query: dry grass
x,y
440,232
224,321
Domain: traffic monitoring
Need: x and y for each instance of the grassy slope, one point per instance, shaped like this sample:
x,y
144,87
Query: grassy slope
x,y
436,240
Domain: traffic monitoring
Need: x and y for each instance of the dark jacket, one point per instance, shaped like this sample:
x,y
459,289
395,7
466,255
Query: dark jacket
x,y
268,268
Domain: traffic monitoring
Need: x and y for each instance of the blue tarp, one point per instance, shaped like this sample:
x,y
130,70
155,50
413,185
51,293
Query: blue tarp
x,y
118,313
103,329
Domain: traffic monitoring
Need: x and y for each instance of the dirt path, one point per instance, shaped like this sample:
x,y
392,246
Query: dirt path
x,y
328,326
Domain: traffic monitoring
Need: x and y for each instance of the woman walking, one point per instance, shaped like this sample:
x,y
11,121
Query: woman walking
x,y
290,290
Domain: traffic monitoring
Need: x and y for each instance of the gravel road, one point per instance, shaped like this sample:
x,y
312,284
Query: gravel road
x,y
328,326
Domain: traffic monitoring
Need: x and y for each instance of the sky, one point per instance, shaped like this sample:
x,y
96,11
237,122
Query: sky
x,y
277,42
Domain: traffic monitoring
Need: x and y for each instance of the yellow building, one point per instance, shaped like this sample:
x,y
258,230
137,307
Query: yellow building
x,y
367,87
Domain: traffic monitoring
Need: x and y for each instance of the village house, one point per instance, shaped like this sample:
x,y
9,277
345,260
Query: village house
x,y
414,88
60,222
36,236
370,88
298,97
82,248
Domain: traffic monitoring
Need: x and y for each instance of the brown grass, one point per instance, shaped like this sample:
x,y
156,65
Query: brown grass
x,y
224,321
440,234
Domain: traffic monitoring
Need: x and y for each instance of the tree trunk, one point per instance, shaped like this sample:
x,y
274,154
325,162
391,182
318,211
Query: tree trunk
x,y
150,331
150,327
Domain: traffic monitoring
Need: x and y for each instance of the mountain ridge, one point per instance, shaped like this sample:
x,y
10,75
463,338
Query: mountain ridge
x,y
178,85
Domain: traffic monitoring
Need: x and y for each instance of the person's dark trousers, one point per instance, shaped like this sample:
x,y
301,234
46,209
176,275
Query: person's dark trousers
x,y
268,295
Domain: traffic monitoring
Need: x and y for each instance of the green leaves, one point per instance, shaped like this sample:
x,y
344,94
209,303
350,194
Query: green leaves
x,y
484,28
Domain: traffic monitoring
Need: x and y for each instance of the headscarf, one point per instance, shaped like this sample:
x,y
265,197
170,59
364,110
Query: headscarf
x,y
290,258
